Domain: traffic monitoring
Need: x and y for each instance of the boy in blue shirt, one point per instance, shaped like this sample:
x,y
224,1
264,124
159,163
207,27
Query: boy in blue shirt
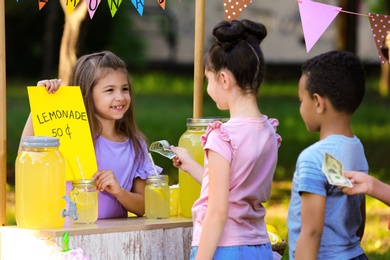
x,y
323,222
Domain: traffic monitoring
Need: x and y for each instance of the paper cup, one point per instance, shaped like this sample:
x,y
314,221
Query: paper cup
x,y
174,200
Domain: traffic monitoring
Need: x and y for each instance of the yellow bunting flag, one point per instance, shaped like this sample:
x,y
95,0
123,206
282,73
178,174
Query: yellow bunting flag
x,y
63,115
162,3
41,3
71,5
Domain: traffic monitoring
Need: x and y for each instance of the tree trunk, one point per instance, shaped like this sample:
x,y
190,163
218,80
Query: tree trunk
x,y
347,26
50,41
69,40
384,80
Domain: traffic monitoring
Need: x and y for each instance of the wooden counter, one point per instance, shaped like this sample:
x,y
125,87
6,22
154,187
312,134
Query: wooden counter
x,y
117,239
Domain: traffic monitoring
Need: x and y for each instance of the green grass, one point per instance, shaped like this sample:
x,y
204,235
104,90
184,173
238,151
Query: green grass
x,y
164,102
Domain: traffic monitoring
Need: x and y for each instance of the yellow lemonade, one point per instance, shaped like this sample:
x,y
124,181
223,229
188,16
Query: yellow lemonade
x,y
86,203
157,198
189,188
39,186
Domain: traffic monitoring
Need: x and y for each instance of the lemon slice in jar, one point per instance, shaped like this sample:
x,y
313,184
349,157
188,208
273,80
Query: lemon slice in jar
x,y
159,191
274,238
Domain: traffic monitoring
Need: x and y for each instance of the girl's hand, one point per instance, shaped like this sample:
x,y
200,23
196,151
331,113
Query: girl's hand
x,y
362,183
182,157
51,85
105,181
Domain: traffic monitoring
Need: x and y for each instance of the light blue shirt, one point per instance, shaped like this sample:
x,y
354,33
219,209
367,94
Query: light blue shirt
x,y
342,213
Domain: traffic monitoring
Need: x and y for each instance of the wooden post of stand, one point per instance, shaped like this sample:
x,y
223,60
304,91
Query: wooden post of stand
x,y
198,58
3,121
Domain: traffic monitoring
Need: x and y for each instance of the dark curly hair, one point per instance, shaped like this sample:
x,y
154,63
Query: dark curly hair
x,y
338,76
237,48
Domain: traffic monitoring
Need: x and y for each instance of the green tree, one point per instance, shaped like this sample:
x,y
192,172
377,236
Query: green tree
x,y
70,37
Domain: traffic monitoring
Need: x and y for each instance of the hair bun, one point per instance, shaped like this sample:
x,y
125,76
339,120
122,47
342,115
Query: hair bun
x,y
257,30
229,33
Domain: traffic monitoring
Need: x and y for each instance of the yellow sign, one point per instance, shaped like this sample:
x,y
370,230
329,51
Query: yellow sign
x,y
63,115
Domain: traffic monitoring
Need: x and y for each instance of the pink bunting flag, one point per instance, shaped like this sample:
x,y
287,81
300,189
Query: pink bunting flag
x,y
114,5
42,3
92,7
316,18
380,27
162,3
233,8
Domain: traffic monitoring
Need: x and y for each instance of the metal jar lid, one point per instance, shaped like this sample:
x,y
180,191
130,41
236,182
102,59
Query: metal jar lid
x,y
157,178
204,121
84,181
40,141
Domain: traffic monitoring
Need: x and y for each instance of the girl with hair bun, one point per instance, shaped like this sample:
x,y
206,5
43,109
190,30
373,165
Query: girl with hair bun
x,y
240,155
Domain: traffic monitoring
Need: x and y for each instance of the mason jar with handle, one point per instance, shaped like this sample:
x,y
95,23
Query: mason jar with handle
x,y
85,195
39,183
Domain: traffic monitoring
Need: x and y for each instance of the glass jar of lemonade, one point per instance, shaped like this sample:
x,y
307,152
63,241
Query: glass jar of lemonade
x,y
157,197
39,183
85,195
190,139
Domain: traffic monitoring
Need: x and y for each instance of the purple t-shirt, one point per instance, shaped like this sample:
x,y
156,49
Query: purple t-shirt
x,y
250,145
118,157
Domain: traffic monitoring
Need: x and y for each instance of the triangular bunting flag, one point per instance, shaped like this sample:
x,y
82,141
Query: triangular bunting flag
x,y
114,5
316,18
71,4
162,3
380,26
42,3
139,5
233,8
92,7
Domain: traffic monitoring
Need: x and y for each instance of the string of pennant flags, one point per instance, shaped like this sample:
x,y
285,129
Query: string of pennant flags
x,y
315,17
232,8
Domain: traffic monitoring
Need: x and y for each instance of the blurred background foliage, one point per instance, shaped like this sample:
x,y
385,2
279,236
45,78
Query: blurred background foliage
x,y
164,98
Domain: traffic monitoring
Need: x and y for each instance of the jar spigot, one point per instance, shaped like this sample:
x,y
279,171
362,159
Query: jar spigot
x,y
72,209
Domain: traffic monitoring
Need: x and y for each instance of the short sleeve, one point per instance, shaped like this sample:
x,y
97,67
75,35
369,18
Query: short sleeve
x,y
311,178
218,140
274,123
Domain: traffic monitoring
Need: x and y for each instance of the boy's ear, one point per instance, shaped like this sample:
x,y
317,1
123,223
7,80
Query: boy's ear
x,y
320,103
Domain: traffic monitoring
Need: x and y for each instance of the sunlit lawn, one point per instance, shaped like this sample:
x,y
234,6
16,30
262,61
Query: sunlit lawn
x,y
376,239
163,102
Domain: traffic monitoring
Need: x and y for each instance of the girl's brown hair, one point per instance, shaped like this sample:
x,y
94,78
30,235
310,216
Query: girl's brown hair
x,y
88,70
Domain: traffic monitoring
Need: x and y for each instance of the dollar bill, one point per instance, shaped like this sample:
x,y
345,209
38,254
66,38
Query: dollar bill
x,y
162,147
333,170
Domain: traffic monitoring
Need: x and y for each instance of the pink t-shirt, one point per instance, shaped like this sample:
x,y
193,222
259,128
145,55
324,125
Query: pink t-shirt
x,y
250,145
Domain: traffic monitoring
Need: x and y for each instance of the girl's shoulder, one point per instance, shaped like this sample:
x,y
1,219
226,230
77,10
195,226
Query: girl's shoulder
x,y
216,127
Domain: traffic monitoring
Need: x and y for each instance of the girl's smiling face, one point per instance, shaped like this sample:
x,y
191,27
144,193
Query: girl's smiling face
x,y
111,95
